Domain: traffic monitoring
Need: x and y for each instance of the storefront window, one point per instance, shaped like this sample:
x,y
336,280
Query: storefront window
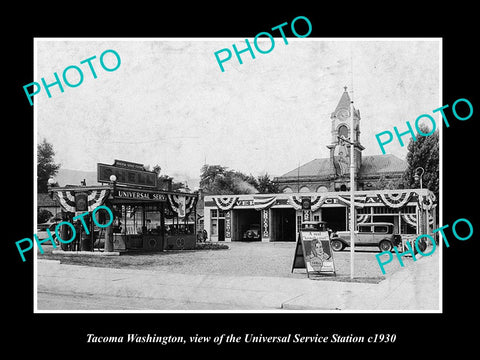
x,y
214,225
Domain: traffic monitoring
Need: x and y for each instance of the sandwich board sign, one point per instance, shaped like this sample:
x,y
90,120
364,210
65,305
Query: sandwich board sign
x,y
313,253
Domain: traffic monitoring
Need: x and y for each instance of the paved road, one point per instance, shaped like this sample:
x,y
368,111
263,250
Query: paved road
x,y
222,283
242,259
101,303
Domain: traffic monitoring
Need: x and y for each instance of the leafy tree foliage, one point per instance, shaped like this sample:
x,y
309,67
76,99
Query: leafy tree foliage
x,y
266,185
46,167
165,182
423,153
217,179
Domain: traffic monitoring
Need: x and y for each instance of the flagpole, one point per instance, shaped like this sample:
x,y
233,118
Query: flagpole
x,y
352,186
352,177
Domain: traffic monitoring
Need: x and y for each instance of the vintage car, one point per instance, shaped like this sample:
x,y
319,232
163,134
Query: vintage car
x,y
314,226
379,234
42,230
252,233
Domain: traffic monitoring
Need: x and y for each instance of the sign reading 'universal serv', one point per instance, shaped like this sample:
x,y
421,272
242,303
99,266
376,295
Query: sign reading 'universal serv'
x,y
127,173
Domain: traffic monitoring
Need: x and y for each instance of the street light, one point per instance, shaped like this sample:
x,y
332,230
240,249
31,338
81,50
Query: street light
x,y
113,180
419,177
50,184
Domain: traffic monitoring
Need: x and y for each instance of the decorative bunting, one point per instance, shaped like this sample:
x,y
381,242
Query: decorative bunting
x,y
362,218
67,200
410,219
225,203
396,201
263,202
181,205
358,200
295,201
317,201
95,198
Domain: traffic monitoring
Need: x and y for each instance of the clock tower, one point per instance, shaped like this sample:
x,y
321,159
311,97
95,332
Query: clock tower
x,y
340,150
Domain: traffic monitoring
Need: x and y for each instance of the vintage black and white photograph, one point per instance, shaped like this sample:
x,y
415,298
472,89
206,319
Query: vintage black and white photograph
x,y
187,174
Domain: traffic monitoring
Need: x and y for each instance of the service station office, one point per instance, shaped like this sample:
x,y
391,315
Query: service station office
x,y
280,216
140,210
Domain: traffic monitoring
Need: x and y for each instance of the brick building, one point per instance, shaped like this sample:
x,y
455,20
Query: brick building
x,y
372,172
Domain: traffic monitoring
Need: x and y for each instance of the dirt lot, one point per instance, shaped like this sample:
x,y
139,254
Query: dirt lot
x,y
241,258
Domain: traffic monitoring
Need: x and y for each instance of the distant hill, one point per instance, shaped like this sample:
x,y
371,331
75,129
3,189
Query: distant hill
x,y
74,177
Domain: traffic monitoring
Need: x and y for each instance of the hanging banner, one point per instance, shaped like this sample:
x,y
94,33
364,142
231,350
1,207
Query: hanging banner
x,y
306,215
228,224
265,224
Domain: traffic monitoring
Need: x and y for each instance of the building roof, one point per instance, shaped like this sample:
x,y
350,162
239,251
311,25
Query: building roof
x,y
377,164
344,102
371,164
316,167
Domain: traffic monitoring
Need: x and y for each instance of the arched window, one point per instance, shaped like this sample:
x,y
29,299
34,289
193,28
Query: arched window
x,y
287,190
304,189
343,131
322,188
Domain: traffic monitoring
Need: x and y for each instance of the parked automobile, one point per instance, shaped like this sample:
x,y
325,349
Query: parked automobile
x,y
379,234
42,229
314,226
253,232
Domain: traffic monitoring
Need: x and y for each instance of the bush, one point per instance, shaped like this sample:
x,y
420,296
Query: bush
x,y
43,215
210,246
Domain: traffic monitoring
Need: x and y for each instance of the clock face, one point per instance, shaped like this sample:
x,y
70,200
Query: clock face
x,y
343,114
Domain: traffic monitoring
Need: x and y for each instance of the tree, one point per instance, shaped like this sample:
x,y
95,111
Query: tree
x,y
46,168
165,182
266,185
43,215
424,153
217,179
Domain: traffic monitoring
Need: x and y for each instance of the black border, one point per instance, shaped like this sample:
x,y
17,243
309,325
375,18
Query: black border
x,y
415,332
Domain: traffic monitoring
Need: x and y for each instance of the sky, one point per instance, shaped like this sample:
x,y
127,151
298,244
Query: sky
x,y
169,103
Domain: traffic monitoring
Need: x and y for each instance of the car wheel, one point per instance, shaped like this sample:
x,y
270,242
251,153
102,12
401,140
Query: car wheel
x,y
336,245
385,245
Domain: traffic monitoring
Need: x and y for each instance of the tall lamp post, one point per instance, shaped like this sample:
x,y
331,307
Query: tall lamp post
x,y
108,246
50,184
419,177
